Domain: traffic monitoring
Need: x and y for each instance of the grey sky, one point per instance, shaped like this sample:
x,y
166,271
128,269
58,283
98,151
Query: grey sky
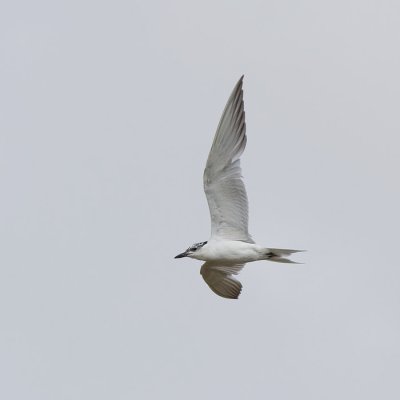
x,y
108,110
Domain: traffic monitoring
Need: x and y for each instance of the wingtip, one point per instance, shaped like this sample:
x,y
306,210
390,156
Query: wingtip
x,y
239,84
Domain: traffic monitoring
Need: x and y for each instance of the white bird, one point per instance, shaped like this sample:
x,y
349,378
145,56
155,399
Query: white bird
x,y
230,246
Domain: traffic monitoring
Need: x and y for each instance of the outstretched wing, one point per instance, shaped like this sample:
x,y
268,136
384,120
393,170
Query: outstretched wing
x,y
220,280
223,184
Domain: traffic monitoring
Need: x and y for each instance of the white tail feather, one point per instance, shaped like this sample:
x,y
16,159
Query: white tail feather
x,y
279,255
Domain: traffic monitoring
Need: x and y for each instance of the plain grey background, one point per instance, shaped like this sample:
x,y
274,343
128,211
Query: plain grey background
x,y
108,110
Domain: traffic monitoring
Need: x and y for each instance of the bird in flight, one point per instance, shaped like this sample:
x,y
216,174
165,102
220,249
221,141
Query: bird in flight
x,y
230,246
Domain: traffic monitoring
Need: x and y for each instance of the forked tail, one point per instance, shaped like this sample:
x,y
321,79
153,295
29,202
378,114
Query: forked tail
x,y
279,255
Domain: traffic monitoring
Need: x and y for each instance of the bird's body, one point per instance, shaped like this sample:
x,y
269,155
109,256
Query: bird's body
x,y
230,246
230,251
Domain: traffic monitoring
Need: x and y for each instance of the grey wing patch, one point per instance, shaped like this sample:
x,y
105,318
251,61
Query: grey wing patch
x,y
223,183
220,280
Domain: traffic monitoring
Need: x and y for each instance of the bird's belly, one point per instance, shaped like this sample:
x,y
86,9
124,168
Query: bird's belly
x,y
230,252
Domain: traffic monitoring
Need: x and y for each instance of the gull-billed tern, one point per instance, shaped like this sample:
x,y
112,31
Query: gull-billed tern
x,y
230,246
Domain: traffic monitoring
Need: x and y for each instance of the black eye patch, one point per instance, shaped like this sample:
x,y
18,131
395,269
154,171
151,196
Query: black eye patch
x,y
196,246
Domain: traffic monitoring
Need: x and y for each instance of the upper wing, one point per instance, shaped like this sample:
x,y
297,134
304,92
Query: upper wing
x,y
220,280
223,184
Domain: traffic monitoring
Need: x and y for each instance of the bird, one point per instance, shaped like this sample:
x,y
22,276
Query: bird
x,y
230,245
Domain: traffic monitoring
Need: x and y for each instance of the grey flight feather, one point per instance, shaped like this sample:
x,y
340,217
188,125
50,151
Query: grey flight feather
x,y
223,184
220,280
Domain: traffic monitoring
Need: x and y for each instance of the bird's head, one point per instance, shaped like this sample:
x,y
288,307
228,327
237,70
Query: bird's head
x,y
190,251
